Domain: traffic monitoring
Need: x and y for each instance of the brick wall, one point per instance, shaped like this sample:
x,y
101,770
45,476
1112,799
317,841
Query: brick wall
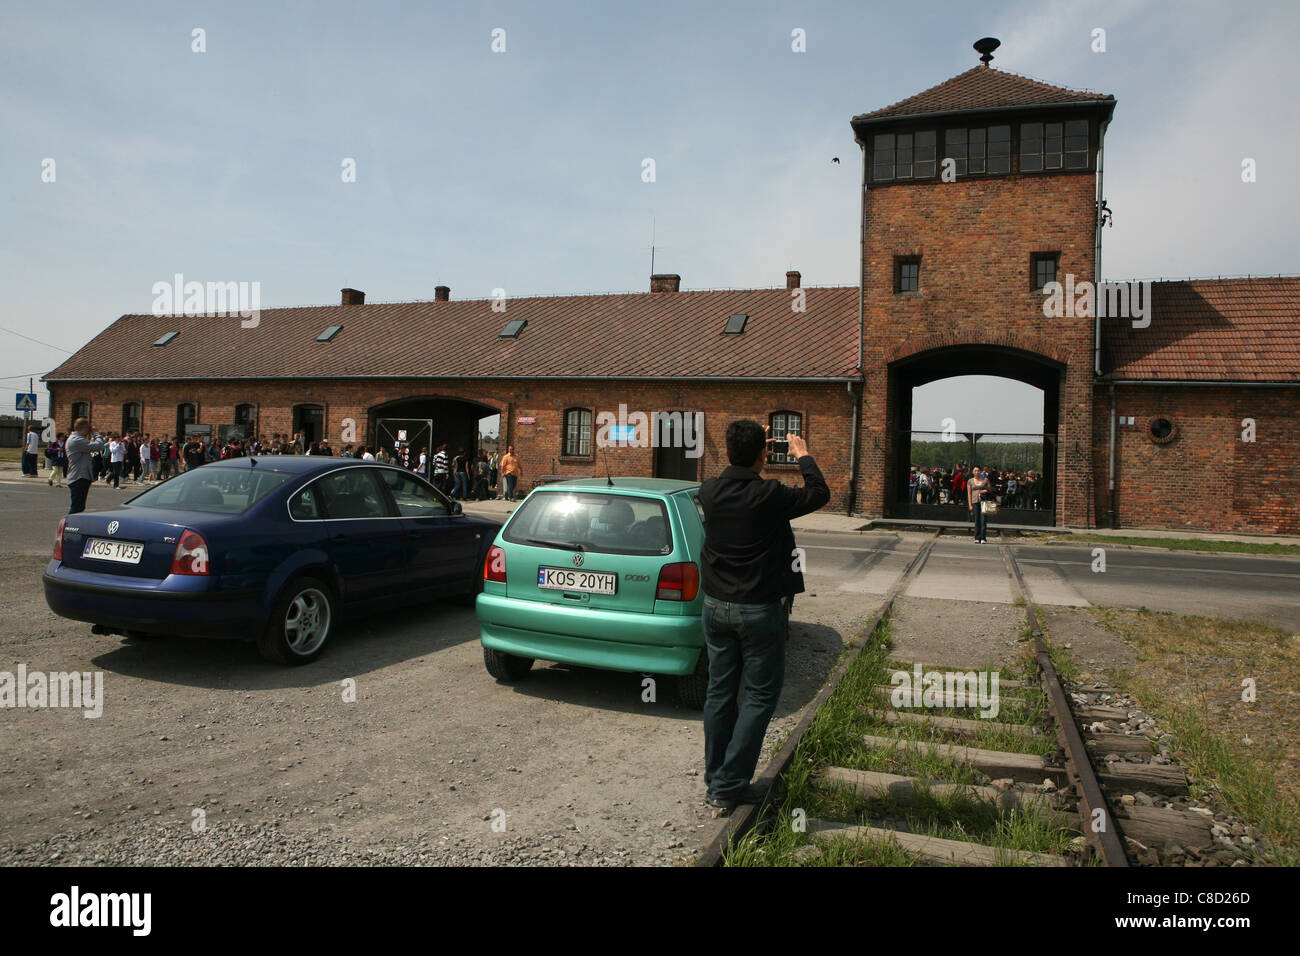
x,y
827,411
1207,478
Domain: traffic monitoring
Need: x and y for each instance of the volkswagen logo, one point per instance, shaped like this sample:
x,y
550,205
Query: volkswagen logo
x,y
112,527
577,560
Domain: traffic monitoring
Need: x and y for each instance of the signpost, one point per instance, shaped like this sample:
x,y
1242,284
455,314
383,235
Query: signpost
x,y
25,402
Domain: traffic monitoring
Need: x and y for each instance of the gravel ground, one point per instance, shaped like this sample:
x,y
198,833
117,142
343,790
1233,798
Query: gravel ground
x,y
966,634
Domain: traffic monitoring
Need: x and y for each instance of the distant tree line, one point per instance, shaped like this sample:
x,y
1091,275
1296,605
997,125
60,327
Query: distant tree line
x,y
1005,455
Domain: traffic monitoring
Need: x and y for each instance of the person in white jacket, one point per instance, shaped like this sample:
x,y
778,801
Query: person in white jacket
x,y
116,459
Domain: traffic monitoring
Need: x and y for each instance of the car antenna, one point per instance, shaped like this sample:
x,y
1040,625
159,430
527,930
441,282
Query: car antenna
x,y
609,482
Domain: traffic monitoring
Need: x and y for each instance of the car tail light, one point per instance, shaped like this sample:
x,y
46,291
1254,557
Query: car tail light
x,y
494,565
58,539
678,582
191,554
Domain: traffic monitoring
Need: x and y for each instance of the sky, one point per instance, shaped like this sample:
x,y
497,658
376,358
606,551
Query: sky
x,y
522,169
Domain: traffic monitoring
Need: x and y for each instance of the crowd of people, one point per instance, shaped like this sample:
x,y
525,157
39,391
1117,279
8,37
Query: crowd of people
x,y
139,457
470,476
941,486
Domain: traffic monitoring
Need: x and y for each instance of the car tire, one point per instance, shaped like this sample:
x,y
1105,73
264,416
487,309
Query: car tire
x,y
506,668
300,624
693,688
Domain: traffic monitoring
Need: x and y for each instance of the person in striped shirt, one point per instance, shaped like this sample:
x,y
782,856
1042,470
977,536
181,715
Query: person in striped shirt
x,y
440,470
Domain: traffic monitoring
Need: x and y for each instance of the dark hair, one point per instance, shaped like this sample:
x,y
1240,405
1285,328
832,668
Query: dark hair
x,y
745,440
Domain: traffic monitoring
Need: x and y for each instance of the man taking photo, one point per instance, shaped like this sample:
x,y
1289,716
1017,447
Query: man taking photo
x,y
748,575
80,448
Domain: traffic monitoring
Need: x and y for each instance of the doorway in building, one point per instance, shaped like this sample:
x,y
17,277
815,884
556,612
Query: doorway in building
x,y
310,420
463,426
672,458
960,407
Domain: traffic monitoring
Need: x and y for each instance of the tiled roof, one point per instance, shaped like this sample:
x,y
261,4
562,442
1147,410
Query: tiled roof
x,y
666,334
1211,329
983,87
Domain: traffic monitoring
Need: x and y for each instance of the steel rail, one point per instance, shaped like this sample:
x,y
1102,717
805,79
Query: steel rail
x,y
1103,837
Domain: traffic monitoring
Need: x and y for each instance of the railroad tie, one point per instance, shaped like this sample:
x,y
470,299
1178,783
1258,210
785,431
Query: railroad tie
x,y
960,725
936,850
1004,703
909,792
998,764
1002,681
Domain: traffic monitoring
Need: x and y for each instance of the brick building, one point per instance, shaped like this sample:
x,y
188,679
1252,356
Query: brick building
x,y
977,194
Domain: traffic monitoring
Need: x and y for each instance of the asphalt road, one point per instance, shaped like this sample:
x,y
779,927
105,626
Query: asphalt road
x,y
1244,587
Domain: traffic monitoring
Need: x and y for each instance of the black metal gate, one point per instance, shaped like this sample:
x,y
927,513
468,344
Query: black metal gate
x,y
405,438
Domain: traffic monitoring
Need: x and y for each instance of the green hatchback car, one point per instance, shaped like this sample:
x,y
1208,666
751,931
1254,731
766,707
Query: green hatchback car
x,y
599,572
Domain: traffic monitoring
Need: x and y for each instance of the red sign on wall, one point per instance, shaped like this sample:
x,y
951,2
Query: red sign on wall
x,y
526,420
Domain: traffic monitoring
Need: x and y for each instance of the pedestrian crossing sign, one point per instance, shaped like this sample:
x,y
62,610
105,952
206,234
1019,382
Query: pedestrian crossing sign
x,y
25,401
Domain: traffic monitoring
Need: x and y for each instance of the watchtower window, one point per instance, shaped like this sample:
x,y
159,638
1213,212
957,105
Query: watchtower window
x,y
1046,146
897,156
979,151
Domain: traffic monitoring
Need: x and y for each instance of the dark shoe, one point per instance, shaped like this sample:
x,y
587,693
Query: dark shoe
x,y
750,794
726,805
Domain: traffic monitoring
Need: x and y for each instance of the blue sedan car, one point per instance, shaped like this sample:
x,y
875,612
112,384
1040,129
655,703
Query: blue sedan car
x,y
272,548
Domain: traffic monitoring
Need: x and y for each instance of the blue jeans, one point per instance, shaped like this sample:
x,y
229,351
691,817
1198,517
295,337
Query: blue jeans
x,y
462,485
511,480
981,522
742,640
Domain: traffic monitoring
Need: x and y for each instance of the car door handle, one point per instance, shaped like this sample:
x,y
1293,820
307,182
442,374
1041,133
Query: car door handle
x,y
339,538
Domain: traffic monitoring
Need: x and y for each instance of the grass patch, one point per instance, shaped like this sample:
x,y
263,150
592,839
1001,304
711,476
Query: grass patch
x,y
1189,673
1187,544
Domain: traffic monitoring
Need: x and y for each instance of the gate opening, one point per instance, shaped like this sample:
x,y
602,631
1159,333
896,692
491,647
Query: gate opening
x,y
411,426
962,407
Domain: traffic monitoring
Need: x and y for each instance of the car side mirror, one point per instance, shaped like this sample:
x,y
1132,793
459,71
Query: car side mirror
x,y
456,508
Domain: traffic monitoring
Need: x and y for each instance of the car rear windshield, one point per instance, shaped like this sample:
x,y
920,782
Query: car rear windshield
x,y
591,521
229,491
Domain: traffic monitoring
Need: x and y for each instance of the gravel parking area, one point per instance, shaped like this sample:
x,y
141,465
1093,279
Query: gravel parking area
x,y
206,754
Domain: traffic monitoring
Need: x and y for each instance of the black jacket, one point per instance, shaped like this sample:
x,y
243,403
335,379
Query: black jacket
x,y
748,543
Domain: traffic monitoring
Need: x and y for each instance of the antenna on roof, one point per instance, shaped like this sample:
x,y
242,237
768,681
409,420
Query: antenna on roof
x,y
609,482
652,245
985,47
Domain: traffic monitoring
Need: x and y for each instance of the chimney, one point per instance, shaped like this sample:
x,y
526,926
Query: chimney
x,y
792,280
441,293
354,297
665,282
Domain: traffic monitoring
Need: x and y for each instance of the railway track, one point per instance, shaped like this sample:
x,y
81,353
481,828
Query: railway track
x,y
870,777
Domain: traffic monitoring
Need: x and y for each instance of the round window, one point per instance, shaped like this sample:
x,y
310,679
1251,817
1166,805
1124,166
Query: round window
x,y
1162,430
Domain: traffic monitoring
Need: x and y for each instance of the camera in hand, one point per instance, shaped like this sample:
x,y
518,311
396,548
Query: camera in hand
x,y
780,447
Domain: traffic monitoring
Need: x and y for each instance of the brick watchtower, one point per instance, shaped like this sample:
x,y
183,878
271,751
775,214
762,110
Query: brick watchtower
x,y
976,192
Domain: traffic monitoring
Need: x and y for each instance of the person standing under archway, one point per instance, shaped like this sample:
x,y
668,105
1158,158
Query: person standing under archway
x,y
976,488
